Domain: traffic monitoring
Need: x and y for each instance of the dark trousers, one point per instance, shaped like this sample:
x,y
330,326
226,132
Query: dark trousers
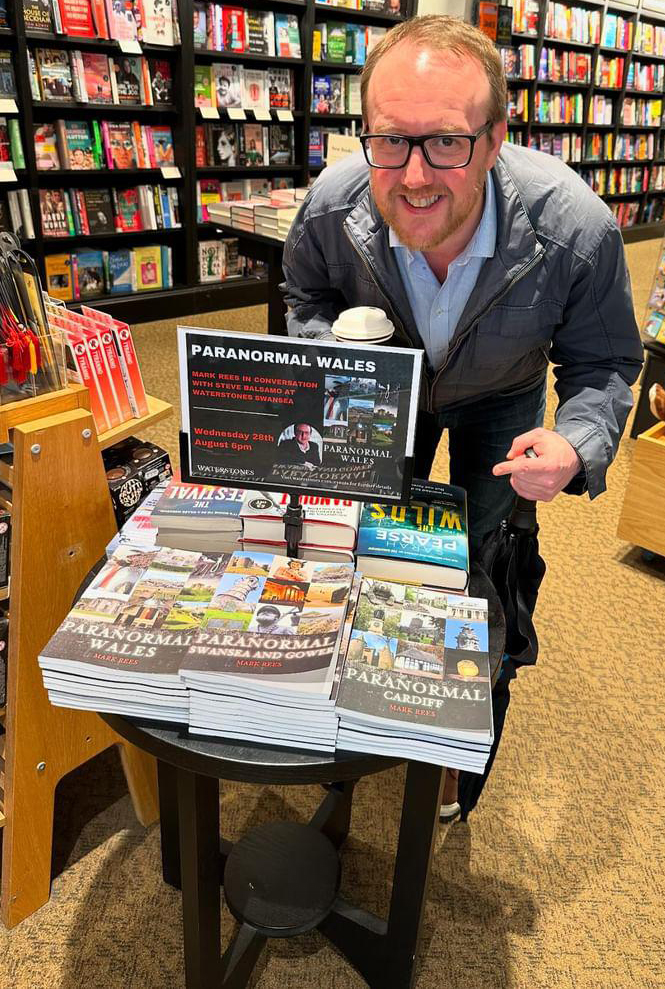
x,y
479,436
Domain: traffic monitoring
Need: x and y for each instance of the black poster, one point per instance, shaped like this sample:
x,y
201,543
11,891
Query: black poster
x,y
287,414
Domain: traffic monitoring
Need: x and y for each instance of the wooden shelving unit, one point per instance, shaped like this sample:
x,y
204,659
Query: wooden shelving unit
x,y
62,521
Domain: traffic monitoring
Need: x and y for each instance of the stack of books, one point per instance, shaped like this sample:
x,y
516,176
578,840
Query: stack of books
x,y
190,516
416,679
271,217
329,530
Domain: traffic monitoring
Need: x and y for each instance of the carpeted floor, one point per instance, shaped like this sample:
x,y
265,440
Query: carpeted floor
x,y
556,882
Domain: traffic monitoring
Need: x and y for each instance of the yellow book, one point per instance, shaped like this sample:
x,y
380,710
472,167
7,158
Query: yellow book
x,y
59,282
148,261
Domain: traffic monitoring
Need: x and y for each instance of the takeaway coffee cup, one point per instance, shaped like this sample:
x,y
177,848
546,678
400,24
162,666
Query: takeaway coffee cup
x,y
363,324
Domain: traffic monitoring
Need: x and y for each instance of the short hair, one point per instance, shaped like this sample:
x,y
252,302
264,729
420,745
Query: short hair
x,y
268,607
441,32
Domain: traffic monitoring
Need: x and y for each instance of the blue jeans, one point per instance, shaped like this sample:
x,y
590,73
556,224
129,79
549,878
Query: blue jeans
x,y
480,435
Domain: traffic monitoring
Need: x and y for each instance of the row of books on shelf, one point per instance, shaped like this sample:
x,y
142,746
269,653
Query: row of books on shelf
x,y
519,62
596,147
101,356
153,22
219,260
244,145
11,143
336,94
641,113
393,7
349,44
609,72
617,32
627,213
526,16
16,215
86,274
564,66
225,85
93,77
654,210
76,212
7,76
552,107
318,143
650,39
209,191
113,144
616,181
256,32
648,78
573,23
271,217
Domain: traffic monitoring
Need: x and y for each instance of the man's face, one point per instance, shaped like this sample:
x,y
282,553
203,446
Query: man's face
x,y
267,617
302,433
415,91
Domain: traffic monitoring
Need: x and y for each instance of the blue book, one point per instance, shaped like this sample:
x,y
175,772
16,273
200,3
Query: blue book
x,y
198,506
120,271
424,542
90,273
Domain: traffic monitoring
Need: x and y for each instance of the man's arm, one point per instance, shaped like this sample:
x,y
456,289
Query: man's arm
x,y
313,306
597,355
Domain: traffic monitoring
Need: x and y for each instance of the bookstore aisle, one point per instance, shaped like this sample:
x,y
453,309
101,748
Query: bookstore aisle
x,y
556,880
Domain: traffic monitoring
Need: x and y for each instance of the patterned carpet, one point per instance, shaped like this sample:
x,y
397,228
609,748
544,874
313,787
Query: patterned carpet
x,y
557,880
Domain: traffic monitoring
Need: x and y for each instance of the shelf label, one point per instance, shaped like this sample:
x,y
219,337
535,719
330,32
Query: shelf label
x,y
285,116
8,106
7,173
262,114
130,46
170,172
236,113
209,112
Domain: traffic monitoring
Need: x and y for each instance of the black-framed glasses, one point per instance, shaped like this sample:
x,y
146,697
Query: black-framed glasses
x,y
440,150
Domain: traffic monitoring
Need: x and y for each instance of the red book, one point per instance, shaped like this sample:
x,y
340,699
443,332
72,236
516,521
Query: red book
x,y
129,212
200,145
77,18
233,24
129,364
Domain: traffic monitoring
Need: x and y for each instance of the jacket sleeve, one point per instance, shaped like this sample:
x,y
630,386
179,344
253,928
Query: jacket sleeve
x,y
597,355
313,305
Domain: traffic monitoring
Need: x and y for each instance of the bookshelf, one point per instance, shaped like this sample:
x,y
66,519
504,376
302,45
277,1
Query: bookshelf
x,y
609,170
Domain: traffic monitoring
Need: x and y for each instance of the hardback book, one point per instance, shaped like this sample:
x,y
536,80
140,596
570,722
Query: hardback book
x,y
46,147
203,92
199,507
200,25
37,16
504,24
127,211
127,71
121,18
59,281
281,147
234,29
55,75
425,542
161,81
280,88
208,191
161,140
488,12
416,677
227,85
255,89
287,36
260,32
327,94
77,145
54,212
99,210
157,22
251,145
120,271
90,280
329,522
76,18
121,148
97,77
211,261
5,146
7,77
224,144
149,274
336,42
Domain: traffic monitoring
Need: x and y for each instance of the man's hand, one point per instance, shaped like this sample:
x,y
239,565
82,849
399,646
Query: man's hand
x,y
541,478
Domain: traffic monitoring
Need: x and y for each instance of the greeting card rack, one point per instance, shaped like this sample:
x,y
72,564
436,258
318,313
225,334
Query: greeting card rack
x,y
62,519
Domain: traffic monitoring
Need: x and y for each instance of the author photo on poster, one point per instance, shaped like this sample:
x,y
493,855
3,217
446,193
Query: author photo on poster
x,y
300,444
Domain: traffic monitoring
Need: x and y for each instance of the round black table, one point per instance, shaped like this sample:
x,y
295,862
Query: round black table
x,y
283,879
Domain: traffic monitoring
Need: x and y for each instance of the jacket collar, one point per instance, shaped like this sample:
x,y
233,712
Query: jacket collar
x,y
517,249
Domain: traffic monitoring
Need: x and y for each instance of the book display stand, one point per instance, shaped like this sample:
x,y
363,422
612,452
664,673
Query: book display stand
x,y
643,509
62,519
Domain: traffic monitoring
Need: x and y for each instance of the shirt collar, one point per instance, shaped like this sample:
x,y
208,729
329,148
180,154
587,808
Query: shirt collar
x,y
483,242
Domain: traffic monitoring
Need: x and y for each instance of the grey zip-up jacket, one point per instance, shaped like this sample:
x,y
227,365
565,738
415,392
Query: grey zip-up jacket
x,y
557,289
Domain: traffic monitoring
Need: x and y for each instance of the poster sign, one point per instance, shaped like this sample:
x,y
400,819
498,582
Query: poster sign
x,y
292,414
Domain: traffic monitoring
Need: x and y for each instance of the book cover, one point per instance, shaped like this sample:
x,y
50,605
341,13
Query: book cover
x,y
148,262
199,506
227,81
46,147
53,212
80,145
59,276
488,13
287,36
326,521
161,81
99,210
127,70
7,77
281,144
203,85
260,32
418,660
209,191
504,25
280,88
255,89
233,20
55,76
157,23
37,15
224,144
200,146
76,17
211,261
121,18
121,145
162,144
336,42
90,265
251,145
97,76
128,213
200,25
431,532
120,271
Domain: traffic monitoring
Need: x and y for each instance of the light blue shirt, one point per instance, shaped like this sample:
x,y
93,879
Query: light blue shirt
x,y
437,308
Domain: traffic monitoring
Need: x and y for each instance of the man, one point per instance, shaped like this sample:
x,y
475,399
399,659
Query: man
x,y
301,449
492,258
270,621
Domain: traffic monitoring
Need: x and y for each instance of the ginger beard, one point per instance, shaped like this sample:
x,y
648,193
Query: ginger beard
x,y
454,210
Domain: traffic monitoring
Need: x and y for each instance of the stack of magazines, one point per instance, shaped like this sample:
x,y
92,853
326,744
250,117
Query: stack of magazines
x,y
416,679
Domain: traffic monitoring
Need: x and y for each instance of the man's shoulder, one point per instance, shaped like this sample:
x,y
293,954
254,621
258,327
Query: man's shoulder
x,y
560,205
339,187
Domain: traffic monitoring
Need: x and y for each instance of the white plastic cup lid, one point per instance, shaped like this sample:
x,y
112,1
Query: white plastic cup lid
x,y
363,323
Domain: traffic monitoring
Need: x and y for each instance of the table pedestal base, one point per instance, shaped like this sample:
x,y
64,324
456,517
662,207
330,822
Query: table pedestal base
x,y
384,952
